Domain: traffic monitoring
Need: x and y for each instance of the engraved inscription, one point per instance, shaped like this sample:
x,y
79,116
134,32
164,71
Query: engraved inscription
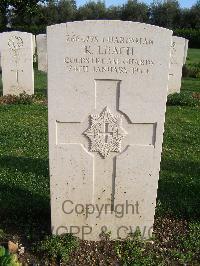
x,y
108,39
105,133
109,65
109,54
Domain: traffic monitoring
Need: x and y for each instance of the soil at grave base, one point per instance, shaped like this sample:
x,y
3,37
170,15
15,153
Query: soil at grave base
x,y
103,253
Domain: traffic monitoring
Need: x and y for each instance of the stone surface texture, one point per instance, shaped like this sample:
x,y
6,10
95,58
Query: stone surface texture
x,y
41,40
177,62
17,62
107,88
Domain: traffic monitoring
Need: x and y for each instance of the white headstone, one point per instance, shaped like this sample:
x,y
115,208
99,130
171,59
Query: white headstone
x,y
177,62
41,40
17,62
107,89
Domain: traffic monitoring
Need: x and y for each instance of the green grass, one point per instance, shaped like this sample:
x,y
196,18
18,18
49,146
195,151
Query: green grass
x,y
193,56
179,185
40,82
24,176
191,85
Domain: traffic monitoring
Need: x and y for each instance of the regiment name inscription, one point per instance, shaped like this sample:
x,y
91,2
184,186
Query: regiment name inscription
x,y
109,54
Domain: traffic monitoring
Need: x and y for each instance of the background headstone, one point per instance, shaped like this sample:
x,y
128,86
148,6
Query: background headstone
x,y
0,51
17,62
34,49
176,64
186,51
107,91
41,40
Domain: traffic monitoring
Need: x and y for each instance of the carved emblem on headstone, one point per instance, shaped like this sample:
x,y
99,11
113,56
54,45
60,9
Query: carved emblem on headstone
x,y
15,42
105,133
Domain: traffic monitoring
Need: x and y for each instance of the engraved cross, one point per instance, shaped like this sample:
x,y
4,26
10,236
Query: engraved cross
x,y
109,134
17,71
106,133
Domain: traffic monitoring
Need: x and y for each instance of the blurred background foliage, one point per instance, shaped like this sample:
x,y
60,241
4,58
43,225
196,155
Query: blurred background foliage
x,y
34,15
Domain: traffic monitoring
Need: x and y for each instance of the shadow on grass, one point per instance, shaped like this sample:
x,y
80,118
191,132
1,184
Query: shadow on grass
x,y
27,165
23,210
179,188
182,166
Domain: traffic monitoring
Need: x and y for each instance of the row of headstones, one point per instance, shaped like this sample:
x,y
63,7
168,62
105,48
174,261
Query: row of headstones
x,y
107,91
18,48
18,51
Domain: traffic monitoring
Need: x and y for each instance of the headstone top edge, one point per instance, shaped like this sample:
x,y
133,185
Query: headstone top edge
x,y
179,38
103,22
42,34
17,32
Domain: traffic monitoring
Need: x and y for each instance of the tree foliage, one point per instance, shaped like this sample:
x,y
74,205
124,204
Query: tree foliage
x,y
3,14
35,15
135,11
92,10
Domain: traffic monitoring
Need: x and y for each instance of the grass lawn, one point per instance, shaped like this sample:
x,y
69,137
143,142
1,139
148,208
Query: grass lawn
x,y
191,85
24,186
193,56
